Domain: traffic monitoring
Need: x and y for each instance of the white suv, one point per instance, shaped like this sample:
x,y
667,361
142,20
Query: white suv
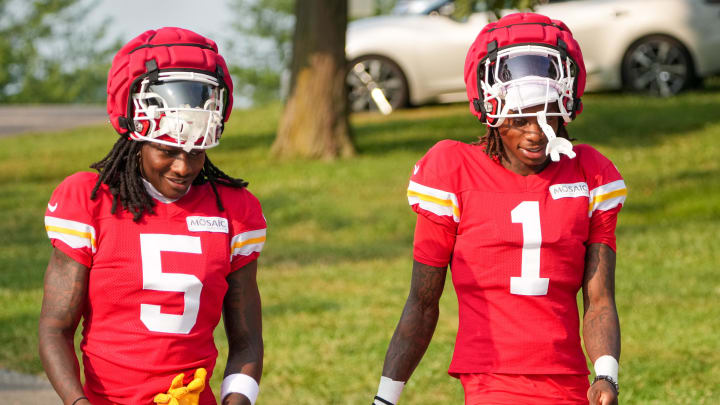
x,y
416,54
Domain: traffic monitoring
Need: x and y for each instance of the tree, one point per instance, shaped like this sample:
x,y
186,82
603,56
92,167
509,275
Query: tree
x,y
49,53
314,123
265,45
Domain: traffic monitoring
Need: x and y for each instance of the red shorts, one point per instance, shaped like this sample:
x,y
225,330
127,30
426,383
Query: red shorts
x,y
513,389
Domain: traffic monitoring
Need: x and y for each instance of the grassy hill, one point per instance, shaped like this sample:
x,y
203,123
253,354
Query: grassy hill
x,y
336,267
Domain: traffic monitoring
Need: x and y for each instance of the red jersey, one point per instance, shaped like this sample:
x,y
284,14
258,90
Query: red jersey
x,y
516,248
156,286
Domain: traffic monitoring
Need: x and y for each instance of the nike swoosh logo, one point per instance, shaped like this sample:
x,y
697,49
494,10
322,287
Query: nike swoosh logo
x,y
52,208
416,169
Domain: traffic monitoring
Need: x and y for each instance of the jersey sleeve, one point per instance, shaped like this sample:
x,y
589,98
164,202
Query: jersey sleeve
x,y
248,229
431,194
433,244
69,220
431,191
607,196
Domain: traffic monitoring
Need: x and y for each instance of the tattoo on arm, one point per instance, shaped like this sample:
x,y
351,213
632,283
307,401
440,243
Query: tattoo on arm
x,y
417,323
243,323
64,296
601,326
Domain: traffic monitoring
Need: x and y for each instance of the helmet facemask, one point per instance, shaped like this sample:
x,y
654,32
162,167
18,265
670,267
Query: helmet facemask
x,y
525,76
181,109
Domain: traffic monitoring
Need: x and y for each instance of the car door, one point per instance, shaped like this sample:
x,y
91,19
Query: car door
x,y
597,26
445,43
705,19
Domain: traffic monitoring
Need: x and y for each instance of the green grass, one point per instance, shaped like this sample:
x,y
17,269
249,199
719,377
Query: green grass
x,y
336,267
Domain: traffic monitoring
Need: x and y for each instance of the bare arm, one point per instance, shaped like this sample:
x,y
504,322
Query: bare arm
x,y
243,325
601,327
417,323
65,292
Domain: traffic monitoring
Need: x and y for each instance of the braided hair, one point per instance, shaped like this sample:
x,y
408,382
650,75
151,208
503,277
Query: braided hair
x,y
493,146
121,172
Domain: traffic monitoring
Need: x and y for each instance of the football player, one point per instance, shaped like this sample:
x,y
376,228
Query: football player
x,y
525,220
152,249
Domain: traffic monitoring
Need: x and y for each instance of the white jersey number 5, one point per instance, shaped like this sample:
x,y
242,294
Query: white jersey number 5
x,y
154,279
527,213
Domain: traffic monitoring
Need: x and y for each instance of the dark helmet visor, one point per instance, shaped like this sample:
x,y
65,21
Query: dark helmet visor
x,y
183,93
517,67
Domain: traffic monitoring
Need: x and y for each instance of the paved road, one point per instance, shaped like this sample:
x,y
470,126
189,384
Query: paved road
x,y
18,119
21,389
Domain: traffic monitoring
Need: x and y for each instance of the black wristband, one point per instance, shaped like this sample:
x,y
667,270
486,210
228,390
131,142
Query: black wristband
x,y
610,380
76,401
383,400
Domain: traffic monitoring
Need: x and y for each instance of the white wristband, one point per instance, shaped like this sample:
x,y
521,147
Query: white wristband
x,y
241,384
390,389
607,365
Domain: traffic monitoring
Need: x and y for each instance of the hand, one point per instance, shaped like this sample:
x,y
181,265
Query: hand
x,y
602,393
179,395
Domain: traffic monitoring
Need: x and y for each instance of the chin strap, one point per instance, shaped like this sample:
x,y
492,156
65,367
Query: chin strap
x,y
555,145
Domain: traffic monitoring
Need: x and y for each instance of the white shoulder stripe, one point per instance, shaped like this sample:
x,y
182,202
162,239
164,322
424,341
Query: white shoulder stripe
x,y
607,196
606,188
246,243
74,234
439,202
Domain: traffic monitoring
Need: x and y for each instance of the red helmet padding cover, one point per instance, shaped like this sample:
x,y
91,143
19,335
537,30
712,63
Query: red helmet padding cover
x,y
517,29
172,49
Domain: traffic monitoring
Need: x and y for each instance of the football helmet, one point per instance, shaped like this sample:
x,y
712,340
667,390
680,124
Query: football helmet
x,y
524,60
170,86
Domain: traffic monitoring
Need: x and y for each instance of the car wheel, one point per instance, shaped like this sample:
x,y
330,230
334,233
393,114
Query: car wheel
x,y
376,83
657,65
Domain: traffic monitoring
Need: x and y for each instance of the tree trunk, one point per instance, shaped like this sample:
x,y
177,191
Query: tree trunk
x,y
315,122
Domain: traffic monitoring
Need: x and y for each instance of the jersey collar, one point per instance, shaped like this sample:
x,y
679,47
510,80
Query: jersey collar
x,y
158,196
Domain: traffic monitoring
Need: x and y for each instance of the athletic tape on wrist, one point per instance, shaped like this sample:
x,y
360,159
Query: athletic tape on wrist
x,y
390,389
240,384
607,365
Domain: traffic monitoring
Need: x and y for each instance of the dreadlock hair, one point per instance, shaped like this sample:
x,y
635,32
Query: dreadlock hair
x,y
494,146
120,170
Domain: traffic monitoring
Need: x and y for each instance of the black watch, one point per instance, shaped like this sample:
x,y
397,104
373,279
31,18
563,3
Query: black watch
x,y
610,380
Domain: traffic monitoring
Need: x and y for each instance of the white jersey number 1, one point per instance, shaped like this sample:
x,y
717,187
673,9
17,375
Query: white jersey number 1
x,y
151,245
527,213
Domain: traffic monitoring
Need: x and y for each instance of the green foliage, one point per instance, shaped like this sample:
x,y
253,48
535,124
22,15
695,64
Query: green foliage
x,y
336,267
463,8
383,6
50,53
266,28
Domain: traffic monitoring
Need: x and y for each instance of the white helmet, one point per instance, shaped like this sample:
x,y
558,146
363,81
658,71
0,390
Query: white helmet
x,y
183,109
525,76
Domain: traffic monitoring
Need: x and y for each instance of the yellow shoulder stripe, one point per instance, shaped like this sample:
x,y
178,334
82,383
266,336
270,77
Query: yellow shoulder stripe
x,y
86,235
435,200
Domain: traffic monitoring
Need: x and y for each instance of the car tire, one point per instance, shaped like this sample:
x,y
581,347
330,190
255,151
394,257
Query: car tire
x,y
658,65
373,71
